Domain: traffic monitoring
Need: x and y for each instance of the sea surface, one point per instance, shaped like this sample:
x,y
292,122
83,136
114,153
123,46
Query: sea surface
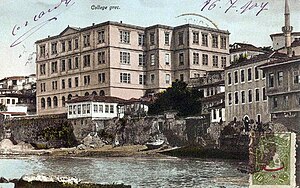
x,y
137,172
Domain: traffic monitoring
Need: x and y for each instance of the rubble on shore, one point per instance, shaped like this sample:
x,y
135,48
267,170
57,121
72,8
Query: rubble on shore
x,y
88,149
55,181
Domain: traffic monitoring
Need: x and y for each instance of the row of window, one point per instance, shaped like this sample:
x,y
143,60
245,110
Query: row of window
x,y
69,64
279,78
86,109
125,59
8,101
285,101
53,102
73,44
86,81
124,78
243,96
214,112
241,76
196,39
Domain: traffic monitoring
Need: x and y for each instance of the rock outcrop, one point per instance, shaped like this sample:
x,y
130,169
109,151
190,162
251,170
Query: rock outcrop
x,y
54,181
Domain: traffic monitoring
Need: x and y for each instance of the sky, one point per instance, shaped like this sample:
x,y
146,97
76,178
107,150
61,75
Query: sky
x,y
25,21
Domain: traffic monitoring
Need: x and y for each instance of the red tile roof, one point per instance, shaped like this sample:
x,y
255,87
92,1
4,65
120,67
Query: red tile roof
x,y
287,60
93,98
258,58
245,47
295,43
14,113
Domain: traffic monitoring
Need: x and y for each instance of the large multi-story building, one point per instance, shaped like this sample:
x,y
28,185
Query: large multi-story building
x,y
122,60
245,89
283,90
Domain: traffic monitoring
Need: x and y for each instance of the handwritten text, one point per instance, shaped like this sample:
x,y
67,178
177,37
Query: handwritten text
x,y
30,26
237,6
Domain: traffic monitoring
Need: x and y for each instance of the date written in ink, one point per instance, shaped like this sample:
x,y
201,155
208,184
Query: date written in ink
x,y
236,6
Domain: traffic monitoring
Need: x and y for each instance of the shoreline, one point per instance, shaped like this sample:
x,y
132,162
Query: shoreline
x,y
108,151
105,151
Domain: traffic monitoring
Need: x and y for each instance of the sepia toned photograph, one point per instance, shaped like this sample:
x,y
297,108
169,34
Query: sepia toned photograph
x,y
149,93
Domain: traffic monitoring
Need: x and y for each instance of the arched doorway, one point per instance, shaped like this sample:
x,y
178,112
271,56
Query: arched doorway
x,y
246,123
86,94
94,93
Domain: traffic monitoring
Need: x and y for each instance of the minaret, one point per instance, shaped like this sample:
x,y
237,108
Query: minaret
x,y
287,29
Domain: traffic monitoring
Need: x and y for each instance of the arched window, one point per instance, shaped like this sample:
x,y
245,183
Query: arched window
x,y
43,103
55,102
94,93
86,94
69,97
49,102
102,93
63,99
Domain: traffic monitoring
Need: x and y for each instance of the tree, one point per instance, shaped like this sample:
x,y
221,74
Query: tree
x,y
267,48
2,108
180,98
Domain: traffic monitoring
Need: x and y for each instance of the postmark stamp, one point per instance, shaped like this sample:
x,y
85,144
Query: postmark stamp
x,y
272,158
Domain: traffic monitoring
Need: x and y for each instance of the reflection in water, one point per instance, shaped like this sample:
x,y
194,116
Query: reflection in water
x,y
138,172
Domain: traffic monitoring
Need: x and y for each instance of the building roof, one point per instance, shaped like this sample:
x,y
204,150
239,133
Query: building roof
x,y
245,47
214,97
13,78
217,83
258,58
282,34
77,29
218,106
295,43
283,61
93,98
14,113
135,100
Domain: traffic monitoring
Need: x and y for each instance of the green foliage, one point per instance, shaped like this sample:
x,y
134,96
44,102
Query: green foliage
x,y
63,132
3,108
179,98
267,48
41,146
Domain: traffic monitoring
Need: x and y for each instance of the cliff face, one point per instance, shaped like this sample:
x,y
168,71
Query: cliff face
x,y
42,132
57,131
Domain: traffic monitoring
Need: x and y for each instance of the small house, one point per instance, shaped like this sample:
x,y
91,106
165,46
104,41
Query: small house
x,y
95,107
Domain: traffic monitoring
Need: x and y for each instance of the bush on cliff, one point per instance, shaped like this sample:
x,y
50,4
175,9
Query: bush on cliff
x,y
180,98
63,134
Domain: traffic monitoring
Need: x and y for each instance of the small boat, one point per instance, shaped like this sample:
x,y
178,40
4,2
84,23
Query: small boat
x,y
155,145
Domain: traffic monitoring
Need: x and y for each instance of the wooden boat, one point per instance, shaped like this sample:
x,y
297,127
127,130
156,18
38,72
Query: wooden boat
x,y
155,145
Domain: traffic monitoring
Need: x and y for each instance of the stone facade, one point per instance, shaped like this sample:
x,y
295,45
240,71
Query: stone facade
x,y
245,91
122,60
283,90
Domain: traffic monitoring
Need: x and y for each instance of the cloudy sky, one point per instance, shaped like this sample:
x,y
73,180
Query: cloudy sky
x,y
21,26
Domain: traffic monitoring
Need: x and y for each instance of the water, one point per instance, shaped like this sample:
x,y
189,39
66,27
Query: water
x,y
138,172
